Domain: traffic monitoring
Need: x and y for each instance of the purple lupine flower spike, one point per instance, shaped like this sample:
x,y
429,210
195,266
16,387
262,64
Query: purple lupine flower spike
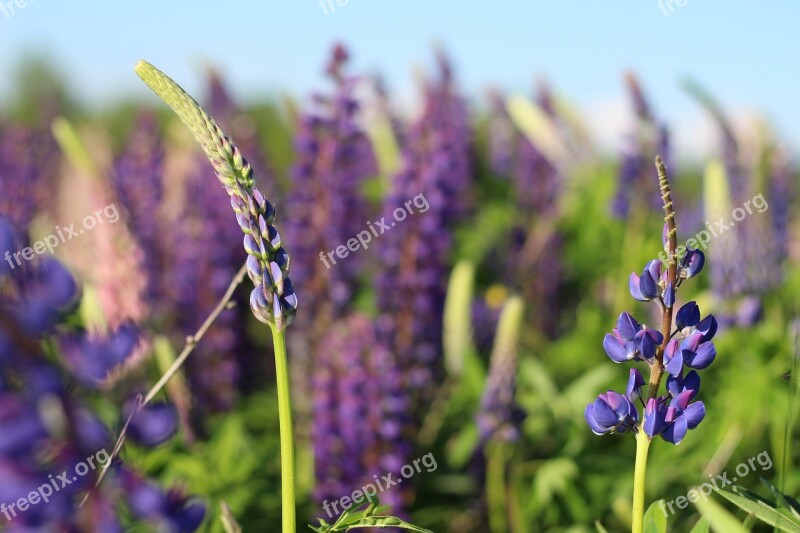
x,y
688,346
360,409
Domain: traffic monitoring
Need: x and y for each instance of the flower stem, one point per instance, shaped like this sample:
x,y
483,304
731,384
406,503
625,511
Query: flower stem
x,y
657,368
639,476
286,434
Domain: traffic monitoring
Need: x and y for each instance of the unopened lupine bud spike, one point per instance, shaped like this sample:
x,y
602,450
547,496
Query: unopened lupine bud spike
x,y
254,213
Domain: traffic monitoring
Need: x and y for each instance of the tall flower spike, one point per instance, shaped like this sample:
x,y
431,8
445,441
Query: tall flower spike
x,y
273,300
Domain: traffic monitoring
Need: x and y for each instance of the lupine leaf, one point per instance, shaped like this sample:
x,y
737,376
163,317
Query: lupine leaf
x,y
784,501
387,521
761,510
655,521
718,518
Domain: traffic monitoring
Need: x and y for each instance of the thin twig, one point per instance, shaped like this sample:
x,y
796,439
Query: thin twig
x,y
191,343
193,340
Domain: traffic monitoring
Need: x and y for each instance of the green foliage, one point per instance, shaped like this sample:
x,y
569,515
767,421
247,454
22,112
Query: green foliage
x,y
655,521
364,513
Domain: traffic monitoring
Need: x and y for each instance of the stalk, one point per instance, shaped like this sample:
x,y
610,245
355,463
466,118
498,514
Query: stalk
x,y
286,432
639,476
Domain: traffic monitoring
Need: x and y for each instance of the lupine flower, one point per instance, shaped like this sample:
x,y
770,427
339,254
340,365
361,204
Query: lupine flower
x,y
334,160
152,425
28,167
689,346
170,511
200,272
93,357
436,162
611,413
39,439
273,300
635,383
360,410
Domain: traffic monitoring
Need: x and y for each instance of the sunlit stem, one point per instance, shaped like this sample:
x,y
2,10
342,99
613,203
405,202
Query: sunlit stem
x,y
639,476
286,432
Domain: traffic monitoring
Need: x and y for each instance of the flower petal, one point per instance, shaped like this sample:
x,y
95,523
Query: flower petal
x,y
703,357
633,287
627,326
694,414
615,349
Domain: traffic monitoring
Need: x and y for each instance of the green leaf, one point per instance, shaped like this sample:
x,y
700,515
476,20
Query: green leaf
x,y
655,521
761,510
599,527
387,521
718,518
784,501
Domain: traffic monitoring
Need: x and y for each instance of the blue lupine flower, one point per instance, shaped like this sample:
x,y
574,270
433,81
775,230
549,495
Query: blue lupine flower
x,y
682,416
655,413
611,412
635,383
631,340
680,383
627,326
93,358
618,348
696,353
171,510
648,286
153,424
647,341
692,263
688,315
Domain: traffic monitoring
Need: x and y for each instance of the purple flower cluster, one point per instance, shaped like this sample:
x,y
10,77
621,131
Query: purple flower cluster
x,y
687,350
44,428
201,268
436,162
334,160
360,411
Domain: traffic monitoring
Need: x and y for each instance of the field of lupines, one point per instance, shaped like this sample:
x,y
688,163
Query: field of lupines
x,y
331,313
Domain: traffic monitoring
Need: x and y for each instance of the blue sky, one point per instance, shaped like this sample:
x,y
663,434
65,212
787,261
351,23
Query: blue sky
x,y
739,51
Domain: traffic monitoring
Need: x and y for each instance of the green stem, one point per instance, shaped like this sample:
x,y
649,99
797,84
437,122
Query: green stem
x,y
639,475
287,437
